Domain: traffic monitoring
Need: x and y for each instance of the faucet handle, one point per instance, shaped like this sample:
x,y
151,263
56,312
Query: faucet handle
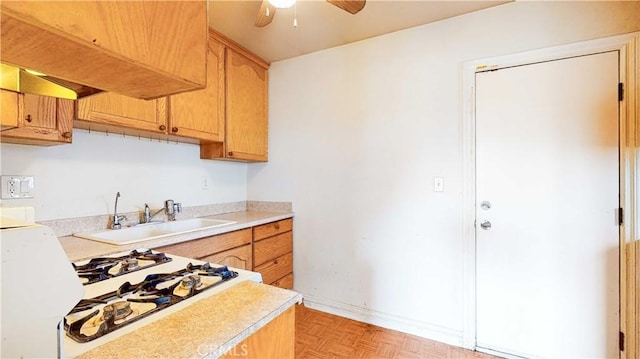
x,y
178,207
169,206
147,213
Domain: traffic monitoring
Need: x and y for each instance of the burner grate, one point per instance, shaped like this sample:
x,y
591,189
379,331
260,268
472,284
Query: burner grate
x,y
103,268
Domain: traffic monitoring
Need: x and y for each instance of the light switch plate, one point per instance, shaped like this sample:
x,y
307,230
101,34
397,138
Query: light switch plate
x,y
438,184
17,186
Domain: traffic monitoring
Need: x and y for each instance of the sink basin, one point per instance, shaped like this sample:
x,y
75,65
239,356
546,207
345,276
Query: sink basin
x,y
152,231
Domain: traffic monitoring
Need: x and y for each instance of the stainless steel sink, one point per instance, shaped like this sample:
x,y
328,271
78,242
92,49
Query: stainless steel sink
x,y
152,231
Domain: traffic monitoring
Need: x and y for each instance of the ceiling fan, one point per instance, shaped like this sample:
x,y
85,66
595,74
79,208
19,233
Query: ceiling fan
x,y
268,8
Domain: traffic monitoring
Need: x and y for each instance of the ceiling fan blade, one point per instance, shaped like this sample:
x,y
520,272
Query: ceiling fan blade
x,y
352,6
265,14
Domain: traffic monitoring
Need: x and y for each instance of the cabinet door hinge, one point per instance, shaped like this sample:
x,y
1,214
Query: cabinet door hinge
x,y
621,341
620,91
620,216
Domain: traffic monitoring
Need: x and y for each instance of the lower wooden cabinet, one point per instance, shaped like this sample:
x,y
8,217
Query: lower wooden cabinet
x,y
36,120
267,249
276,339
237,257
232,249
273,252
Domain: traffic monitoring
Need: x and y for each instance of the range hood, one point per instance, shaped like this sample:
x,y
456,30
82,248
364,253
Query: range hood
x,y
15,79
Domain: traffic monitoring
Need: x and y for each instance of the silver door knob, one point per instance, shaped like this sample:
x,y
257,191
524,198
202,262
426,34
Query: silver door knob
x,y
486,225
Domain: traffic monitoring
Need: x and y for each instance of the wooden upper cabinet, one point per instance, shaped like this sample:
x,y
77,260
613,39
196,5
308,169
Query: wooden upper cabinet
x,y
246,106
142,49
118,110
42,120
9,109
247,86
200,114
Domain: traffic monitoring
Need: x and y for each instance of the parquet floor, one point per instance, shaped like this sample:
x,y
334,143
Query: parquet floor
x,y
323,335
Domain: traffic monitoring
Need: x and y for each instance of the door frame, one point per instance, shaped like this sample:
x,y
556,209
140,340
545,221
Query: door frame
x,y
629,164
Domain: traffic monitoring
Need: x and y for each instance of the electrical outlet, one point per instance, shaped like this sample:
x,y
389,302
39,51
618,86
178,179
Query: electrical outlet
x,y
16,187
205,182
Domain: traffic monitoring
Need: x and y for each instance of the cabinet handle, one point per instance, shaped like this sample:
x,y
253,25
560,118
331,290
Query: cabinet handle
x,y
29,118
230,154
277,226
163,127
174,129
276,262
67,135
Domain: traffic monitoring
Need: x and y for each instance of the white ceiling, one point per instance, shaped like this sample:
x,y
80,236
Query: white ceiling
x,y
322,25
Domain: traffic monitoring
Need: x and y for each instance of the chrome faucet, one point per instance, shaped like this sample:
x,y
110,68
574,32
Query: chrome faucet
x,y
171,208
116,219
147,213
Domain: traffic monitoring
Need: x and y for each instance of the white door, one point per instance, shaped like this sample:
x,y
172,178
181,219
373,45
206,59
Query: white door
x,y
547,182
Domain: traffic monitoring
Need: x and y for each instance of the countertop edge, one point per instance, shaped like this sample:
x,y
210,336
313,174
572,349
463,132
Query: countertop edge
x,y
224,348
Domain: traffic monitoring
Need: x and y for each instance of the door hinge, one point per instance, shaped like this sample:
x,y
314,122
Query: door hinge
x,y
620,91
621,341
620,216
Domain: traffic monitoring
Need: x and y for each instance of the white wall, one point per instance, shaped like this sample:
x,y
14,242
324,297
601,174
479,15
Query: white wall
x,y
357,134
82,179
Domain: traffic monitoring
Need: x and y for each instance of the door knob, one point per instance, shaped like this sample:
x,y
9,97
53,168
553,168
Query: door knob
x,y
486,225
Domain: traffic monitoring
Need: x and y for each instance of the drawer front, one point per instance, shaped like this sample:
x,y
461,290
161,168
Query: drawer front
x,y
285,282
199,248
237,257
272,247
276,268
271,229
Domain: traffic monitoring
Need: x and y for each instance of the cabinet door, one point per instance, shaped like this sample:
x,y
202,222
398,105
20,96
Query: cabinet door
x,y
9,108
200,114
118,110
238,258
246,117
277,339
44,121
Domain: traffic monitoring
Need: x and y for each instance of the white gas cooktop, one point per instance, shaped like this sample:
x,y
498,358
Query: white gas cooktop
x,y
149,294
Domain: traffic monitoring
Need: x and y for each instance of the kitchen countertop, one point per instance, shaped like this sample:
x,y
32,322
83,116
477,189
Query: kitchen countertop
x,y
231,316
80,248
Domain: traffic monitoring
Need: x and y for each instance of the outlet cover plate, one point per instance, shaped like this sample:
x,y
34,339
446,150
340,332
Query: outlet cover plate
x,y
17,186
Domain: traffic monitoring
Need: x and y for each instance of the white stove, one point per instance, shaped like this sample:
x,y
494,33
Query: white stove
x,y
120,296
128,301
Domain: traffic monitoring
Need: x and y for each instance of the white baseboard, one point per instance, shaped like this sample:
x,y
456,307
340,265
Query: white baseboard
x,y
389,321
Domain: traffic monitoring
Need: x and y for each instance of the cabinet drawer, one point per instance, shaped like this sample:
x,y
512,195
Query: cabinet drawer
x,y
199,248
285,282
239,257
276,268
272,247
271,229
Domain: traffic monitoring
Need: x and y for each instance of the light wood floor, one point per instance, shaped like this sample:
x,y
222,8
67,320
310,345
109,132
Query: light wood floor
x,y
322,335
